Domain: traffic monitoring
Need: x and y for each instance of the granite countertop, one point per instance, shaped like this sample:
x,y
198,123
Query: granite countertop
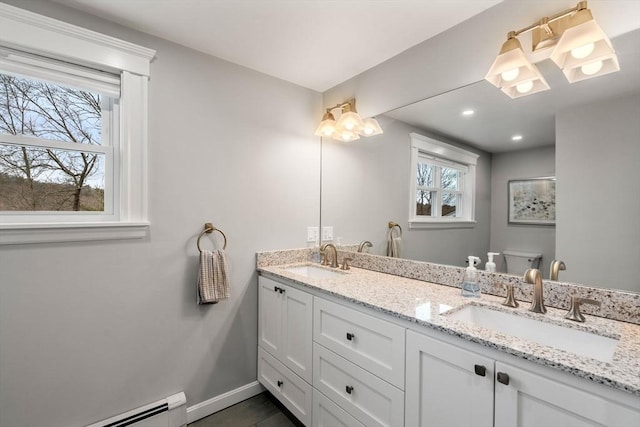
x,y
428,304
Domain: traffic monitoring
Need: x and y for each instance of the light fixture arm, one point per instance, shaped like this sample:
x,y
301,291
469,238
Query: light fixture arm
x,y
544,22
349,105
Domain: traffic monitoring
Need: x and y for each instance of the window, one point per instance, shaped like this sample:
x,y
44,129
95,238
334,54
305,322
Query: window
x,y
72,132
442,184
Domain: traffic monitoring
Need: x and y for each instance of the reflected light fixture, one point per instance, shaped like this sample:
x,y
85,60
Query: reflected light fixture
x,y
350,126
580,48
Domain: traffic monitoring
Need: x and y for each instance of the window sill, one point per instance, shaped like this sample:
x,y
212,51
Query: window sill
x,y
17,234
441,224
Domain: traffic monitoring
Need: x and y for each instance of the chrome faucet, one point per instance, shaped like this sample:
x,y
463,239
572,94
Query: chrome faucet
x,y
534,277
364,244
325,248
556,266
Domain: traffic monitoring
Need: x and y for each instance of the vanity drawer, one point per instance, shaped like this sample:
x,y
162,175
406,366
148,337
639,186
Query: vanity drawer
x,y
372,401
373,344
287,387
328,414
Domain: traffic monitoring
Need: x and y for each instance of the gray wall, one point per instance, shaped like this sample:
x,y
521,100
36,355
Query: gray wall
x,y
598,170
531,238
89,330
366,185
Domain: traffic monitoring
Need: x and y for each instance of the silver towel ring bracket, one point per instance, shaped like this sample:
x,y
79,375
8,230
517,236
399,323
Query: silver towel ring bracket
x,y
208,229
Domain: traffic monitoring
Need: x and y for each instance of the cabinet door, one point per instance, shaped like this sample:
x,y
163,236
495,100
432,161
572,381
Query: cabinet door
x,y
445,385
530,400
287,387
269,316
297,331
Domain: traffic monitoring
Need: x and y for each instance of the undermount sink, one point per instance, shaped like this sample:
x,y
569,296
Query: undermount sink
x,y
564,338
314,272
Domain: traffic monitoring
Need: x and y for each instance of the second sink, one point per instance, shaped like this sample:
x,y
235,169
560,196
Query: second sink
x,y
564,338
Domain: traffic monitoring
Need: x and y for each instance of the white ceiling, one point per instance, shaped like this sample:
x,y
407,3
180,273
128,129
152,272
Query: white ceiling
x,y
313,43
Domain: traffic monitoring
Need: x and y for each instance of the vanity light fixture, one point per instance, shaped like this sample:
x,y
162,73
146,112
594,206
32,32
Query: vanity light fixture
x,y
350,126
580,48
513,73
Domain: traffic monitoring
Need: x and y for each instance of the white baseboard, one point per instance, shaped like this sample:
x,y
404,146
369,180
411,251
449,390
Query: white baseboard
x,y
218,403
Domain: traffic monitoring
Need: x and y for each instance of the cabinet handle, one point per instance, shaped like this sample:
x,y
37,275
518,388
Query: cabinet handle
x,y
276,289
280,383
282,290
348,389
480,370
350,336
503,378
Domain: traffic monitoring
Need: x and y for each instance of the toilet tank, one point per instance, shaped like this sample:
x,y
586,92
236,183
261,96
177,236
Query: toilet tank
x,y
519,261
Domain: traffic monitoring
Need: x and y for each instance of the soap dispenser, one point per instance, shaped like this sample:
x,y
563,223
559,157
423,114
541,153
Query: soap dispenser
x,y
470,285
490,266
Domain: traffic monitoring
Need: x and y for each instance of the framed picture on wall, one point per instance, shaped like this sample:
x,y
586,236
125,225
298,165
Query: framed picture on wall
x,y
532,201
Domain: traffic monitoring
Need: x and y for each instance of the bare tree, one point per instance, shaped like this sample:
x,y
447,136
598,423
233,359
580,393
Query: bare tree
x,y
44,110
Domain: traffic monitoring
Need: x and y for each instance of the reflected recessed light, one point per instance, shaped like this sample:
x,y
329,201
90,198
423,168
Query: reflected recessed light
x,y
516,138
468,113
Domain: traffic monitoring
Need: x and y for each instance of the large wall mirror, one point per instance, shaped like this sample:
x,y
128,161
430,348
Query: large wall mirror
x,y
585,134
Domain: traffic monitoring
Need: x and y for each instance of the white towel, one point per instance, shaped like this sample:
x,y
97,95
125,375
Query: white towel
x,y
213,279
394,244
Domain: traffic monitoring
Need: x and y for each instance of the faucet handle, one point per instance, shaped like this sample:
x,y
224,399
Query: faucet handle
x,y
510,300
574,311
345,263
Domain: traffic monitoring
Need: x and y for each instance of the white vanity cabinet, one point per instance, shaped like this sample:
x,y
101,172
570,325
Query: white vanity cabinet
x,y
529,399
285,319
358,363
285,326
449,385
446,385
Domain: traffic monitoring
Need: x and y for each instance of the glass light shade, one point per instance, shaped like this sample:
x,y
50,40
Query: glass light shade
x,y
511,67
327,126
574,49
526,88
350,121
345,135
371,127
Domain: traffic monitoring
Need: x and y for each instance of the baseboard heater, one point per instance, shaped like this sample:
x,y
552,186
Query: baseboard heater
x,y
168,412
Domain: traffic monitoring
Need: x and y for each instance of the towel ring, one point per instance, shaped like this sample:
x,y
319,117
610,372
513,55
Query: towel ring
x,y
394,224
208,229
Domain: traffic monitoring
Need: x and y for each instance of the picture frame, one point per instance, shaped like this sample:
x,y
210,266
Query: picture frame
x,y
532,201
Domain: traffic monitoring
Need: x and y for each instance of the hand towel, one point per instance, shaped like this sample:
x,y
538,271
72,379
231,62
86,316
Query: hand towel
x,y
213,279
394,244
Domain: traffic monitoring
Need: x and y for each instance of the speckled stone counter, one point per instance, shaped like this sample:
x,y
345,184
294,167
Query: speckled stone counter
x,y
429,304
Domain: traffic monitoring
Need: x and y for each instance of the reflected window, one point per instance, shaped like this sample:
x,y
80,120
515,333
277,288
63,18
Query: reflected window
x,y
443,182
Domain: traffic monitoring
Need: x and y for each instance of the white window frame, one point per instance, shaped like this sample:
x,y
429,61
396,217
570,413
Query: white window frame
x,y
32,33
421,147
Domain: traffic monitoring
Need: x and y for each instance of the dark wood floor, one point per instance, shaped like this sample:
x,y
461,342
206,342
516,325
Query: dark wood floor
x,y
262,410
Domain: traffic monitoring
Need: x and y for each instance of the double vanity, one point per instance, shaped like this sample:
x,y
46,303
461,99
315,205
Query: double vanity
x,y
367,348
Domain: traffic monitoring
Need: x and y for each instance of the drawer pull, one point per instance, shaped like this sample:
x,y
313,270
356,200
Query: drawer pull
x,y
348,389
278,289
480,370
280,383
350,336
503,378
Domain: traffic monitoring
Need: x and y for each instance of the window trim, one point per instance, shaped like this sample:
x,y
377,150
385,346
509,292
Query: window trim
x,y
431,147
32,33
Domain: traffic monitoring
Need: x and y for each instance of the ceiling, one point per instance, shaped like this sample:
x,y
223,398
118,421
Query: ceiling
x,y
313,43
